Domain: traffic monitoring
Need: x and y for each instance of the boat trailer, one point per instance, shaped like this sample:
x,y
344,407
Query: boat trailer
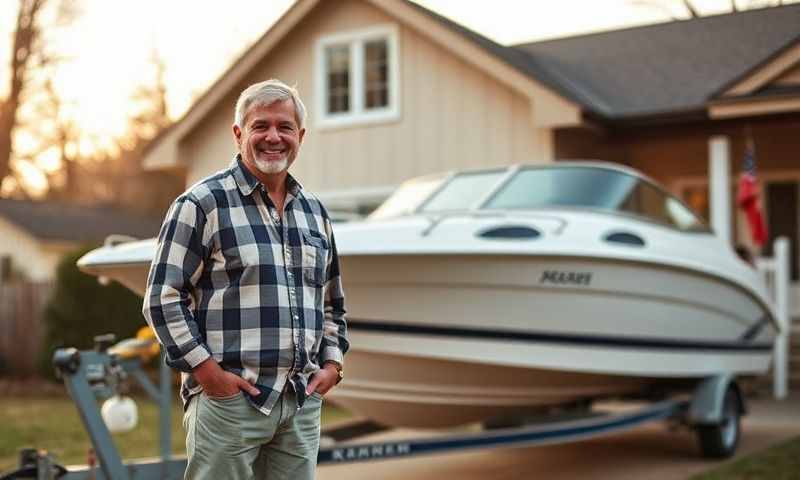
x,y
714,411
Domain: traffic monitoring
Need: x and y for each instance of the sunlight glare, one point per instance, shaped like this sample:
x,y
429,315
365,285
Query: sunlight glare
x,y
49,161
8,186
33,177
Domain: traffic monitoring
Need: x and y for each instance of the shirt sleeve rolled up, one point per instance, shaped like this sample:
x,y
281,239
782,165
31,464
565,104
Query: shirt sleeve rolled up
x,y
168,299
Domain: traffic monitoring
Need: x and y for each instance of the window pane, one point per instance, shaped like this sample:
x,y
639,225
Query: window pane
x,y
463,191
697,199
337,59
569,187
376,74
408,197
648,201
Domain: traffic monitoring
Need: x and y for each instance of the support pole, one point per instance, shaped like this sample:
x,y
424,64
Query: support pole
x,y
780,385
73,368
719,186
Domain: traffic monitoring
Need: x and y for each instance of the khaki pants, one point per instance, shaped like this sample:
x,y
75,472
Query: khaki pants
x,y
229,439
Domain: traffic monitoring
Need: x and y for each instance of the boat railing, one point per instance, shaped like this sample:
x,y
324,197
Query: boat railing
x,y
775,271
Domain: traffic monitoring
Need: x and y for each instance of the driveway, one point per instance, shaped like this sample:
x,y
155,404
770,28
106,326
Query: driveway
x,y
650,451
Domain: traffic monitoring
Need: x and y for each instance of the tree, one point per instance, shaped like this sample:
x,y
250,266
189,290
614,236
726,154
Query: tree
x,y
26,37
135,188
153,111
80,308
112,177
28,61
61,133
691,10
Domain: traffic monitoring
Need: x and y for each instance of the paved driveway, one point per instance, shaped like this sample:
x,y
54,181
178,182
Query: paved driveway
x,y
650,451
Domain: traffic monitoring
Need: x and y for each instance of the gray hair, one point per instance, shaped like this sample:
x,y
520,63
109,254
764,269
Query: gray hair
x,y
267,93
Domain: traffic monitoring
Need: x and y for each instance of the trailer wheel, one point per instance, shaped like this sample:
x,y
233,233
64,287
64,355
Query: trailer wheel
x,y
720,440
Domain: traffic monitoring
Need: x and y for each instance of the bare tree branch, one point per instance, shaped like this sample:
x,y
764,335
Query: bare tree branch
x,y
29,63
657,5
26,35
692,12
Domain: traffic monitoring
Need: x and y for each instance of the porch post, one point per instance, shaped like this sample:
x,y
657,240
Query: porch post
x,y
780,382
719,186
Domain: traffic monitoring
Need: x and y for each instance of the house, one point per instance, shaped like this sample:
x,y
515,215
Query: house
x,y
35,235
396,91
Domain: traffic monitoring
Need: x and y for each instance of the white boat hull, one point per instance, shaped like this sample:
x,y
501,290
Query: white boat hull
x,y
446,340
543,287
406,390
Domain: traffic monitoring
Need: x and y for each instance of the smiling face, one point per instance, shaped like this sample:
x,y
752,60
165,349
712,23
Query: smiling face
x,y
269,138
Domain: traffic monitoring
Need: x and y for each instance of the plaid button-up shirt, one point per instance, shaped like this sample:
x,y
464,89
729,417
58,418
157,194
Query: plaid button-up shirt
x,y
260,294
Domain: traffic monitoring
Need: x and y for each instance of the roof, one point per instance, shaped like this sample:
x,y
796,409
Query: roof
x,y
163,149
670,67
74,223
517,58
666,69
656,69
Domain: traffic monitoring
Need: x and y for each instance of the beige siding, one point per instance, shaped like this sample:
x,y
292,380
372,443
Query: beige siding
x,y
451,115
28,255
210,146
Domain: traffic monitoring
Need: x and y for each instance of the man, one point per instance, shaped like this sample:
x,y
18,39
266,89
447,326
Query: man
x,y
244,294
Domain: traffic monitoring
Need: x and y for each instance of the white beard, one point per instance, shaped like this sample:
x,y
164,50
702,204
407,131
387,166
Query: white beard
x,y
270,168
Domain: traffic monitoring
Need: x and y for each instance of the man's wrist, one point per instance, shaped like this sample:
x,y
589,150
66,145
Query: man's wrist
x,y
206,371
334,363
337,367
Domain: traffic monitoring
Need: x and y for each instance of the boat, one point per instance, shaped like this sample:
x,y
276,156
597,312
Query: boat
x,y
493,294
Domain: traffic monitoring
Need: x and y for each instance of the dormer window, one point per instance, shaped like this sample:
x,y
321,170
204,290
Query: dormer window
x,y
357,76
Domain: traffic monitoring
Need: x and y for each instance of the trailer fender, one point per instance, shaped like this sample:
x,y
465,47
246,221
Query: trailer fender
x,y
706,407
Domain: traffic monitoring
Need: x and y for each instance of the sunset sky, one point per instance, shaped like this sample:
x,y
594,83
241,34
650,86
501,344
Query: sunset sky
x,y
110,43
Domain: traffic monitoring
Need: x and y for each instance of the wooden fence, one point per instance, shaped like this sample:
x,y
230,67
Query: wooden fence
x,y
21,326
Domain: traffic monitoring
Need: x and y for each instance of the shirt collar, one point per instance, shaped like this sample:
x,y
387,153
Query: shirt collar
x,y
247,182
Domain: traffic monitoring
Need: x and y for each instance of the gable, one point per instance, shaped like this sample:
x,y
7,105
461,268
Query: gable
x,y
436,129
552,108
770,88
786,62
790,78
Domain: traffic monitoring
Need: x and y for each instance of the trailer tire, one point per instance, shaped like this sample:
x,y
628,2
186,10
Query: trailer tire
x,y
720,440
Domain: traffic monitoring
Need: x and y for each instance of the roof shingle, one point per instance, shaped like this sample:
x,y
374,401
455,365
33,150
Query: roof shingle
x,y
73,223
654,69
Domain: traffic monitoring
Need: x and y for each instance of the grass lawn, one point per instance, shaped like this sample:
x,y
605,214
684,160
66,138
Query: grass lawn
x,y
51,422
781,462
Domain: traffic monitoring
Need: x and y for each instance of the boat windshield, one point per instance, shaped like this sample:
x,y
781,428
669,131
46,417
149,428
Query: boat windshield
x,y
463,191
593,188
408,197
581,187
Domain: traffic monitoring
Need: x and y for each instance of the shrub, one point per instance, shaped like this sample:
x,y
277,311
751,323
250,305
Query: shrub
x,y
81,308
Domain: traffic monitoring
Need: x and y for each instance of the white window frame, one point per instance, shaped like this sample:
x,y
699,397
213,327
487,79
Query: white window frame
x,y
357,115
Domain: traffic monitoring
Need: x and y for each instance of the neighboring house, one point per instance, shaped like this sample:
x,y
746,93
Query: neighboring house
x,y
36,234
396,91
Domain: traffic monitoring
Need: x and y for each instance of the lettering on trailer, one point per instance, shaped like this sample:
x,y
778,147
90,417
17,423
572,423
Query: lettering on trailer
x,y
384,450
555,277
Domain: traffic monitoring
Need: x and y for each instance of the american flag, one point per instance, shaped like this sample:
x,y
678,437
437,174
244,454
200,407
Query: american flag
x,y
749,162
748,195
